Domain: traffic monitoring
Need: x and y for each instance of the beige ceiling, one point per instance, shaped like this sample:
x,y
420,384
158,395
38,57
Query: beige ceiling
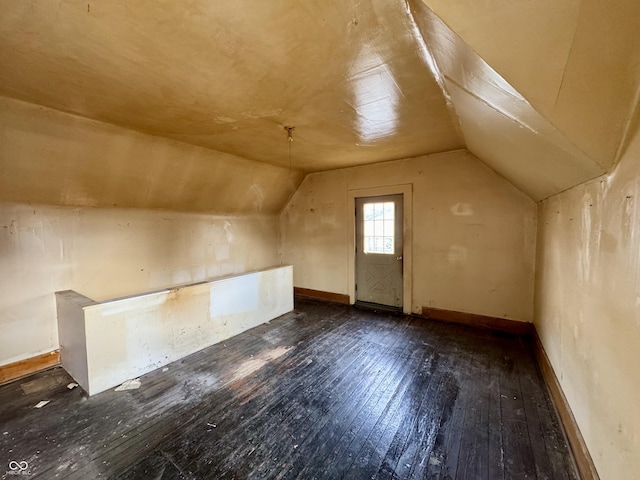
x,y
230,75
576,61
545,91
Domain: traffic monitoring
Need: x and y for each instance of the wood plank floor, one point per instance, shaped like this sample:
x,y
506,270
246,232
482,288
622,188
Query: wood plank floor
x,y
325,392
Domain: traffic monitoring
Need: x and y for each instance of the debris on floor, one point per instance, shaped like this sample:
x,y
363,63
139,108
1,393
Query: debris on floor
x,y
42,403
129,385
165,369
42,384
72,385
212,425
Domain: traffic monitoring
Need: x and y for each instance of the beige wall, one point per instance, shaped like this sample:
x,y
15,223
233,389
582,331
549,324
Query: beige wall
x,y
52,158
588,309
473,233
106,253
132,244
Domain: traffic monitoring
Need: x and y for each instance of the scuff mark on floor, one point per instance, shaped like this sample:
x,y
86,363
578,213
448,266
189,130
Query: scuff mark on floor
x,y
254,364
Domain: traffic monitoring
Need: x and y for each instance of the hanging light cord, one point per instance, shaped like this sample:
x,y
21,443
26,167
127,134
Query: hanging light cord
x,y
290,140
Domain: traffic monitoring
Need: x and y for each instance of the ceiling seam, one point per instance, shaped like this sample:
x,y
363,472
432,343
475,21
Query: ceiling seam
x,y
564,70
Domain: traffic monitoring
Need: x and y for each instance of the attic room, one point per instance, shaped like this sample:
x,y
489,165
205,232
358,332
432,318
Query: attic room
x,y
161,153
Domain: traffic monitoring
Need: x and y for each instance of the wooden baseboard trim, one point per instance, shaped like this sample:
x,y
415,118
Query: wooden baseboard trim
x,y
581,454
26,367
320,295
482,321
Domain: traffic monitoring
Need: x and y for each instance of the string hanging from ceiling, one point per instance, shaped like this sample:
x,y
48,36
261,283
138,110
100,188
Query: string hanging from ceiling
x,y
290,141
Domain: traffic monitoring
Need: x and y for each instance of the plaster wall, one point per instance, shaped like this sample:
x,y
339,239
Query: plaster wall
x,y
473,233
107,253
53,158
55,167
104,344
588,309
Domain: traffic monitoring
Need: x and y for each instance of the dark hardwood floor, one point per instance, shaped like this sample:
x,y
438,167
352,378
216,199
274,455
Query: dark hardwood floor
x,y
327,391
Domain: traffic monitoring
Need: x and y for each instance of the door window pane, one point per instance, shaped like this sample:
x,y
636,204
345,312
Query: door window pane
x,y
388,228
368,229
368,211
379,227
388,210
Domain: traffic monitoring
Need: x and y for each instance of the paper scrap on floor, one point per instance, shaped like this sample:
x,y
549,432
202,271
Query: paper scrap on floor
x,y
129,385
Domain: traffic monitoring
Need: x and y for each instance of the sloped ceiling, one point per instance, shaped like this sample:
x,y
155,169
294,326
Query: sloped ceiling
x,y
545,92
576,61
230,75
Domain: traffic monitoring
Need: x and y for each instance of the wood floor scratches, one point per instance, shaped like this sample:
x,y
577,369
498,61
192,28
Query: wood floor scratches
x,y
325,392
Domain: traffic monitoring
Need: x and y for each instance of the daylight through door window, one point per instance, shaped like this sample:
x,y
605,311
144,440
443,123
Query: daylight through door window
x,y
379,227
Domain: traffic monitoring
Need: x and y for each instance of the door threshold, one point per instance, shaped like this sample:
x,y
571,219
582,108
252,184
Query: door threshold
x,y
377,306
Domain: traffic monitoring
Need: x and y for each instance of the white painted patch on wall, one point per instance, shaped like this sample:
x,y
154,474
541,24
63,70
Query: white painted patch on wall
x,y
216,269
61,249
258,197
328,214
181,277
228,231
238,295
584,253
198,273
222,252
457,255
462,209
159,278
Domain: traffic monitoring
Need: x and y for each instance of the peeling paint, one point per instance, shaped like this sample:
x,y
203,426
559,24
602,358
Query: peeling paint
x,y
588,309
457,255
462,209
493,249
88,250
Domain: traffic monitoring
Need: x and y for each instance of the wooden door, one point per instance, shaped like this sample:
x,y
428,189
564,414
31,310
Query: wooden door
x,y
379,256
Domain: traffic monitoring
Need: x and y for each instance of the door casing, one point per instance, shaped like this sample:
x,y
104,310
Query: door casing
x,y
407,273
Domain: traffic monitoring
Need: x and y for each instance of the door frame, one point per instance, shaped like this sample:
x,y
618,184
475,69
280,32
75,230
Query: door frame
x,y
406,190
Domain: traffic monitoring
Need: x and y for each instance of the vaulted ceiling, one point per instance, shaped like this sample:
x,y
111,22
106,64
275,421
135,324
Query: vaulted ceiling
x,y
545,92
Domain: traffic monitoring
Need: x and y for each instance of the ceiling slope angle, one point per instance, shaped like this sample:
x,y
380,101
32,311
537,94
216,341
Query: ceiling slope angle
x,y
228,76
576,61
498,124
